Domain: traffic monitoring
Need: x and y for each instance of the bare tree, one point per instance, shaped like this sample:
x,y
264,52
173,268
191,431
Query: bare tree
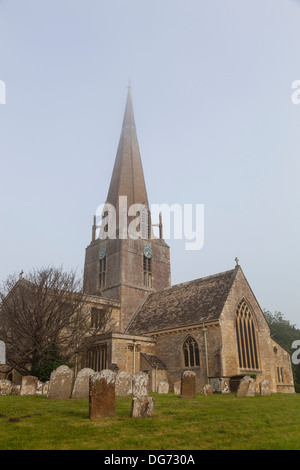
x,y
46,310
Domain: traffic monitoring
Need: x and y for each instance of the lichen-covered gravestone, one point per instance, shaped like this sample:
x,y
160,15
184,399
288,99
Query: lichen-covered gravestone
x,y
264,388
123,384
2,353
188,384
81,385
207,390
163,387
102,396
140,382
29,385
142,407
5,387
177,388
243,387
61,382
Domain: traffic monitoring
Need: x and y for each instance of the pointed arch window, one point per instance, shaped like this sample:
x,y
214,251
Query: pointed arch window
x,y
246,332
191,353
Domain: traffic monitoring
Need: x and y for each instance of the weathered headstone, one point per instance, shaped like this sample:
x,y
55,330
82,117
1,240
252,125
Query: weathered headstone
x,y
264,388
2,353
244,386
102,394
81,385
15,389
140,382
60,384
163,387
29,385
251,389
188,384
123,384
39,388
5,387
142,407
45,388
177,388
207,390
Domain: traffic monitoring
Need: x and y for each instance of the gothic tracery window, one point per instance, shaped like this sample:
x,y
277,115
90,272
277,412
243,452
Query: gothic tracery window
x,y
246,332
191,353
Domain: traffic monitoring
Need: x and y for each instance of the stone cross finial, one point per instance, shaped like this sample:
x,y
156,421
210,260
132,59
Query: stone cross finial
x,y
237,261
21,274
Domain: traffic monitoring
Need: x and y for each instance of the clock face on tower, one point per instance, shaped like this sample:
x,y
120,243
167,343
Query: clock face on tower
x,y
148,252
102,253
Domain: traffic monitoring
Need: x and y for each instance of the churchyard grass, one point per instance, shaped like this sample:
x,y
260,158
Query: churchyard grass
x,y
206,422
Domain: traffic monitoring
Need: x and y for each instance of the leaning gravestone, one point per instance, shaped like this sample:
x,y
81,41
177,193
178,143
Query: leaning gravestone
x,y
243,387
2,353
251,389
140,382
60,384
142,407
188,384
264,388
102,394
163,387
5,387
29,385
81,385
123,384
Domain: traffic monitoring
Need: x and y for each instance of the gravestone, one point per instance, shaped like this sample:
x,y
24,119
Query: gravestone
x,y
60,384
140,382
142,407
188,384
163,387
243,387
29,385
2,353
81,385
251,389
123,384
45,388
39,388
177,388
15,389
207,390
264,388
5,387
102,394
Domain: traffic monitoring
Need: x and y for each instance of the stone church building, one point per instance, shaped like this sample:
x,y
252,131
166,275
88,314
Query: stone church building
x,y
213,325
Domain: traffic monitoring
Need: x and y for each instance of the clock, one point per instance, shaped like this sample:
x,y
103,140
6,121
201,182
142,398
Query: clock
x,y
147,252
102,253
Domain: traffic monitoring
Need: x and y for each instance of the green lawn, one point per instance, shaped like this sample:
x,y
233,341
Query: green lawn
x,y
215,422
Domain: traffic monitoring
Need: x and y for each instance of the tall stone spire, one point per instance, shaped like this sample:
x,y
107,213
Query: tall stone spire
x,y
128,176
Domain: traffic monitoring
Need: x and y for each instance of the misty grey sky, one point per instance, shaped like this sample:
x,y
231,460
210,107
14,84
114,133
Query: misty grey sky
x,y
211,85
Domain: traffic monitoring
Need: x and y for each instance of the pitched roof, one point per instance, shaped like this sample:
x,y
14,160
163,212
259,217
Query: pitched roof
x,y
190,303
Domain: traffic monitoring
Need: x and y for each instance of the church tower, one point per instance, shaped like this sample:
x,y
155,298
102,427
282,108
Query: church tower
x,y
124,268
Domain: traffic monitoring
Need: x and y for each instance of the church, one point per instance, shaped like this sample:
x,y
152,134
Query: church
x,y
213,326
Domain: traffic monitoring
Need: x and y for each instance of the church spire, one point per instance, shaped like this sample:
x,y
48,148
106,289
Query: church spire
x,y
128,176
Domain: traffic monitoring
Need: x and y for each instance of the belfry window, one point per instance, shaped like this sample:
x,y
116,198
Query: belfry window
x,y
145,224
246,333
97,358
102,272
191,353
147,265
